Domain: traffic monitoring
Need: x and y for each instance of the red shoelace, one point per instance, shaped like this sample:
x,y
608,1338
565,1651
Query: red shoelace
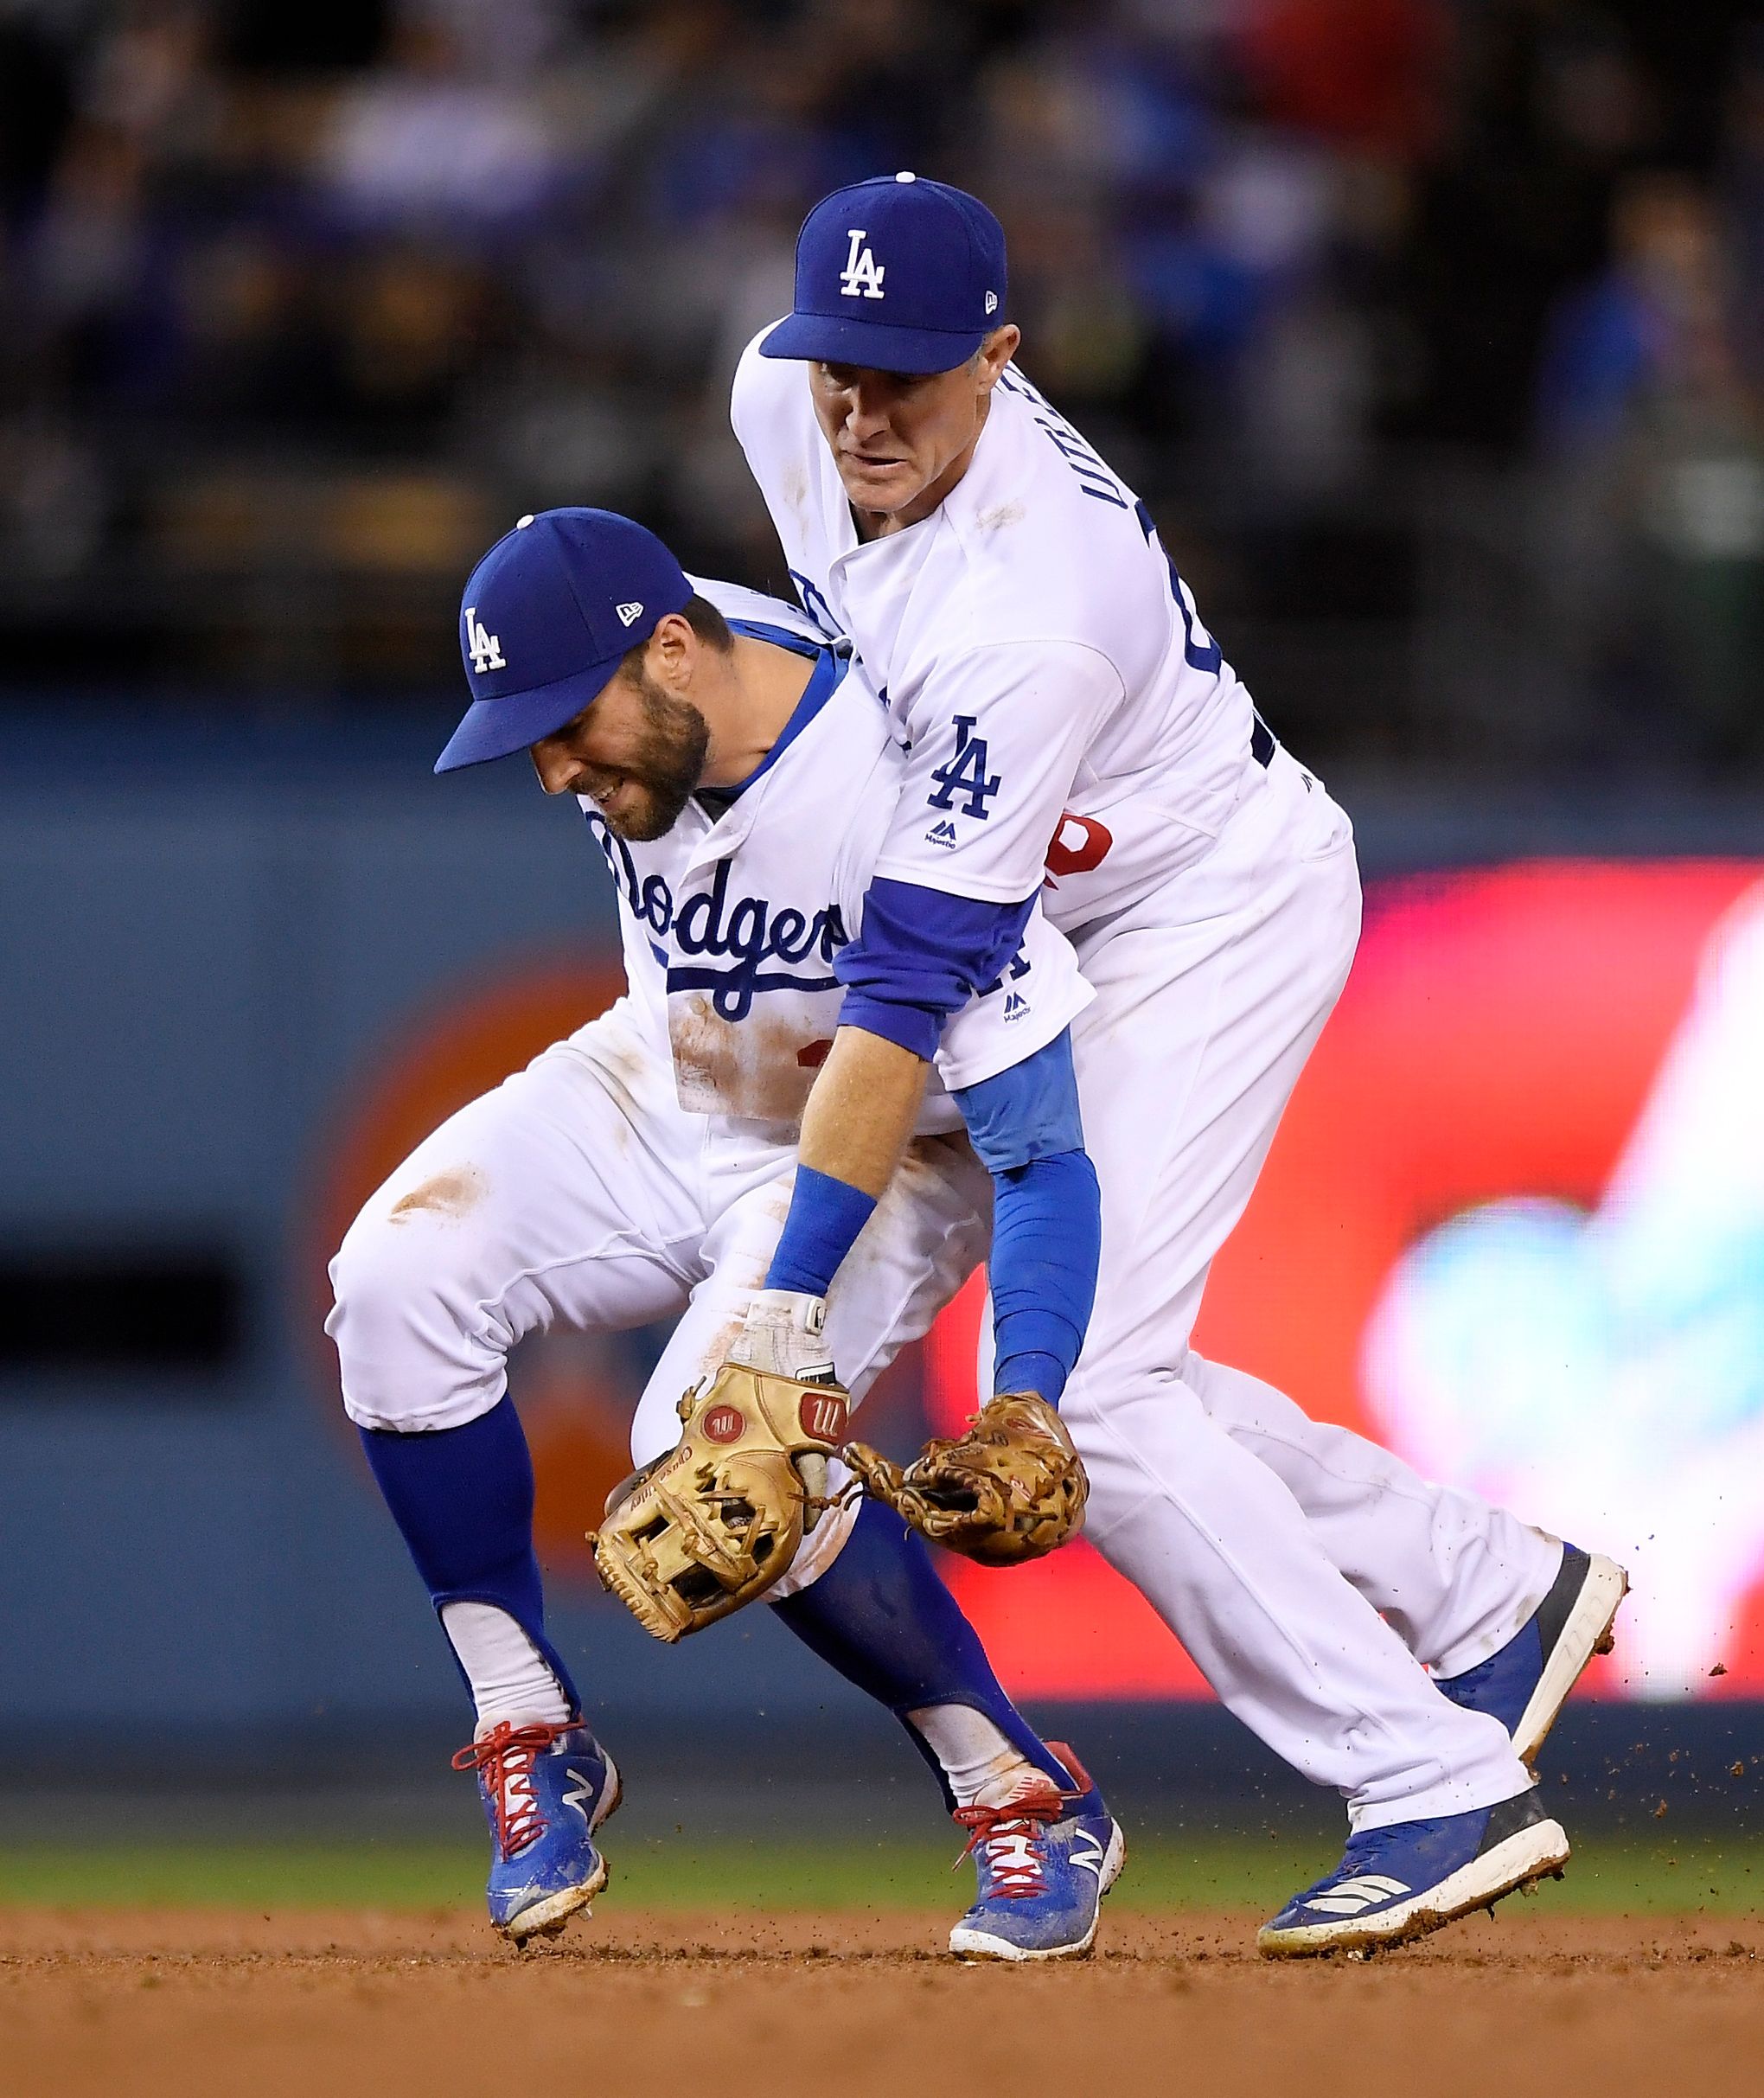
x,y
1011,1837
503,1759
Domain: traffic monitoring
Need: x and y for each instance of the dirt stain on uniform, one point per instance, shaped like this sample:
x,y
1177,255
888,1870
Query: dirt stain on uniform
x,y
750,1070
452,1194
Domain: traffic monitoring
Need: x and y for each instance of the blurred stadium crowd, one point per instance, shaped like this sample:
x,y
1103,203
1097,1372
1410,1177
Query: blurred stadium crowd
x,y
1433,329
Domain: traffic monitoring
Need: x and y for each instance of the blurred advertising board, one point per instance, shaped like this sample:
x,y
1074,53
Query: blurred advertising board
x,y
1512,1226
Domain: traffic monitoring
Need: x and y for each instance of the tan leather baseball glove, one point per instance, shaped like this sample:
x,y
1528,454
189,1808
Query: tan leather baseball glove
x,y
715,1522
1011,1488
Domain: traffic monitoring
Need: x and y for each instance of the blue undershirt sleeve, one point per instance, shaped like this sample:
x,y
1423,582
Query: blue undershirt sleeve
x,y
1047,1217
919,956
825,1218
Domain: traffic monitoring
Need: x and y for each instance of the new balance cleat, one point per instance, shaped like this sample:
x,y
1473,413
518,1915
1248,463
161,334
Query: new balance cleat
x,y
1526,1684
546,1789
1045,1860
1410,1877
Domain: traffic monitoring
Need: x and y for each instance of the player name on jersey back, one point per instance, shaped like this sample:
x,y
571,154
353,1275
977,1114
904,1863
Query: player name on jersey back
x,y
1060,706
732,923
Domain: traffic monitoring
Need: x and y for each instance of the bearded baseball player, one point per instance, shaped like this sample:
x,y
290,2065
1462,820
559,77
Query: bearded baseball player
x,y
738,775
1064,716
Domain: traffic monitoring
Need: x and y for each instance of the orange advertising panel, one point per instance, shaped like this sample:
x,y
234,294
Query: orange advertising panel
x,y
1513,1226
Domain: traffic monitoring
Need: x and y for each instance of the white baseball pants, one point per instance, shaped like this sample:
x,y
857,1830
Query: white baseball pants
x,y
579,1193
1269,1544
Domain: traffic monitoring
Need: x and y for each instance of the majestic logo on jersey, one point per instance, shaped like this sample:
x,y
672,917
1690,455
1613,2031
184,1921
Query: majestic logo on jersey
x,y
486,650
628,612
1016,1005
747,932
941,832
862,275
965,774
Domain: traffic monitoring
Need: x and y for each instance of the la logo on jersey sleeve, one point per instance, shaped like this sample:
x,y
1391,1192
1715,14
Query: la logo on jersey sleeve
x,y
965,776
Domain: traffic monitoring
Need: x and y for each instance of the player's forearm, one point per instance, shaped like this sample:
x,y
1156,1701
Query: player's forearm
x,y
862,1109
1047,1233
858,1117
920,955
1047,1217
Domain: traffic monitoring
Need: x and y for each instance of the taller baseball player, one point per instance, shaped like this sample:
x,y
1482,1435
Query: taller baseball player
x,y
1058,700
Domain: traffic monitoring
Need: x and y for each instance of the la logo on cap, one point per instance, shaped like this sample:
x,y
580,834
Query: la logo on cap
x,y
486,650
862,276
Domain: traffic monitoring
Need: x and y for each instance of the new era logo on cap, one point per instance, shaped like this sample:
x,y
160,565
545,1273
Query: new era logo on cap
x,y
629,612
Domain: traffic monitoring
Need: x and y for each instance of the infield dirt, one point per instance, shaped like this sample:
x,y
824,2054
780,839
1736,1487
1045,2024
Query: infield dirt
x,y
157,2003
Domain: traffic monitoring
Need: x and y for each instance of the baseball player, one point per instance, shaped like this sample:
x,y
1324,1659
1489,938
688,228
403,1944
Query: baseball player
x,y
1064,717
738,772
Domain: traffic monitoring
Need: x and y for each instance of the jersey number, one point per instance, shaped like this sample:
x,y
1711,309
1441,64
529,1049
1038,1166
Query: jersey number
x,y
1080,845
1203,652
816,607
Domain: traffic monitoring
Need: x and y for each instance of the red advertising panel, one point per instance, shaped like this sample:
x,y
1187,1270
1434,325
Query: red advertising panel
x,y
1513,1226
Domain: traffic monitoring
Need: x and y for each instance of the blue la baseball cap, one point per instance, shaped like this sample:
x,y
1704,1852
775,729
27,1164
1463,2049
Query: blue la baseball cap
x,y
547,617
898,274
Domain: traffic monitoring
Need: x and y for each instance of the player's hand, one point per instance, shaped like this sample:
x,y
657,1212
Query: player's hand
x,y
1011,1488
785,1334
715,1522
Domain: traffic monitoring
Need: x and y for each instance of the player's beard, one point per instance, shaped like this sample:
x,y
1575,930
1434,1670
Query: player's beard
x,y
663,777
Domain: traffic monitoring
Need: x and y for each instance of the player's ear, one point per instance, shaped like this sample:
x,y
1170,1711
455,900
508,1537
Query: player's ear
x,y
995,353
670,651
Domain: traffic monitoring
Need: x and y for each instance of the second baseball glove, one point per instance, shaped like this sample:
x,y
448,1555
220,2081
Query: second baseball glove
x,y
1011,1488
715,1522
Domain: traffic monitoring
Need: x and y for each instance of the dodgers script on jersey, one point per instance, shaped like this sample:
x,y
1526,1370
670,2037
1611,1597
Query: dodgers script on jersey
x,y
730,923
1064,713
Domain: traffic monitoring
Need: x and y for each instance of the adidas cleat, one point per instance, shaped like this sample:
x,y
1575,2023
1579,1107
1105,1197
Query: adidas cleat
x,y
1526,1684
546,1789
1045,1860
1411,1877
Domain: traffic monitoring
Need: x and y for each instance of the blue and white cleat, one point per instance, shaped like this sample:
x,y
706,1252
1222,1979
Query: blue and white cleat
x,y
1045,1861
546,1789
1526,1684
1405,1880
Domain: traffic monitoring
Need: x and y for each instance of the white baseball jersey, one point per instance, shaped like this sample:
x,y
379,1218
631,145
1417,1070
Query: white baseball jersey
x,y
1057,697
732,922
1054,683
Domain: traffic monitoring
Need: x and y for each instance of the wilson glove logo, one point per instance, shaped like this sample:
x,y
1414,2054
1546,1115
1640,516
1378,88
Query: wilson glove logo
x,y
823,1416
